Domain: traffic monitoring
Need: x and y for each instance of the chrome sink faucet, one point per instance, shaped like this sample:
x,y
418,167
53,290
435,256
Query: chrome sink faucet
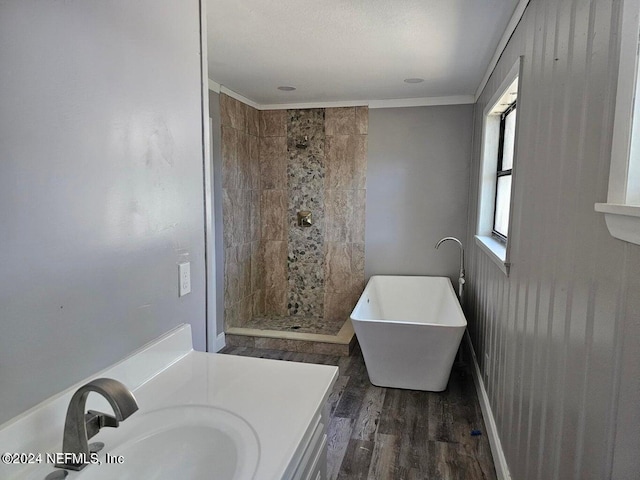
x,y
79,426
461,280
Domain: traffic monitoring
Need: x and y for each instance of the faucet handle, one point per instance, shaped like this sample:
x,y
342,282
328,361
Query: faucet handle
x,y
96,420
106,420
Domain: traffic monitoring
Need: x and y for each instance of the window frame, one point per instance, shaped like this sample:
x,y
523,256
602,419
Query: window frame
x,y
496,248
500,172
621,209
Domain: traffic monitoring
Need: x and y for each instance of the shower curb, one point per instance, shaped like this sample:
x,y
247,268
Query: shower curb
x,y
341,344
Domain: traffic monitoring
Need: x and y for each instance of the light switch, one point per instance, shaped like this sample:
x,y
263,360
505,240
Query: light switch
x,y
184,274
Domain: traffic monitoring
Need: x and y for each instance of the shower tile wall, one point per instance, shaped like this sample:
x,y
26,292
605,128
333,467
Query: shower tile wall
x,y
273,267
240,209
345,194
273,204
316,161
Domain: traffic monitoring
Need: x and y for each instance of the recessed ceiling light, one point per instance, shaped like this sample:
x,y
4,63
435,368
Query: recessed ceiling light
x,y
285,88
413,80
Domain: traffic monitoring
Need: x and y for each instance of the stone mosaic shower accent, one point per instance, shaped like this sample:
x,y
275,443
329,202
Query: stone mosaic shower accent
x,y
305,182
310,159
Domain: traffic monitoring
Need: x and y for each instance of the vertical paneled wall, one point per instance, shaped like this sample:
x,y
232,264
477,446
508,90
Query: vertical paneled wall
x,y
549,336
307,160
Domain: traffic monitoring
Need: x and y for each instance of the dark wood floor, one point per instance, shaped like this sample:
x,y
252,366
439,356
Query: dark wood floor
x,y
385,433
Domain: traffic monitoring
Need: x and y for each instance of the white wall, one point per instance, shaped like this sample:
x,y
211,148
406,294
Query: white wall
x,y
101,186
417,189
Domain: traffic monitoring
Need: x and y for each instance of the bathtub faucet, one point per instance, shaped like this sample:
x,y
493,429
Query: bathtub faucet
x,y
461,280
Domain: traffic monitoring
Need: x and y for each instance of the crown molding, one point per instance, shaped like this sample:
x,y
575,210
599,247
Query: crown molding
x,y
422,101
387,103
286,106
502,44
214,86
242,98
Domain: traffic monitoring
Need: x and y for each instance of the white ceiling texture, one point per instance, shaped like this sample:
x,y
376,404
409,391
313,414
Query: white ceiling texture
x,y
354,51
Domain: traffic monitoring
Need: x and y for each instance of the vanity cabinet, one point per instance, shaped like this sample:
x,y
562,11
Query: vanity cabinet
x,y
312,464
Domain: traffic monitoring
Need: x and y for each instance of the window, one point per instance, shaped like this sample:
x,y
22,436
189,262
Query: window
x,y
505,169
497,169
622,209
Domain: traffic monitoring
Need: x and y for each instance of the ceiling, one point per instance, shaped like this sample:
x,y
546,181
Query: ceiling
x,y
352,50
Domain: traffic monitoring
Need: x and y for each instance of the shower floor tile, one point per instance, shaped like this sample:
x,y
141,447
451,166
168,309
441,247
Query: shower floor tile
x,y
294,324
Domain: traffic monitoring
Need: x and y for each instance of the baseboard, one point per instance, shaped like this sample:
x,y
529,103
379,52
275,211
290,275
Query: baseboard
x,y
499,460
220,342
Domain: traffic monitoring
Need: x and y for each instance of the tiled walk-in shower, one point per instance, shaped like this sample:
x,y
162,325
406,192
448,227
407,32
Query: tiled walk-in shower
x,y
285,271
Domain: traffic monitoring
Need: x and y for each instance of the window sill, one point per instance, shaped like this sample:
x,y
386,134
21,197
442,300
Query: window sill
x,y
623,221
496,251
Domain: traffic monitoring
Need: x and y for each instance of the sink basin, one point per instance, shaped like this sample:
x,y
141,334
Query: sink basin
x,y
188,442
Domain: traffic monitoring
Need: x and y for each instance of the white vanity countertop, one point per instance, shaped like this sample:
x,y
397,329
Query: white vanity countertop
x,y
278,399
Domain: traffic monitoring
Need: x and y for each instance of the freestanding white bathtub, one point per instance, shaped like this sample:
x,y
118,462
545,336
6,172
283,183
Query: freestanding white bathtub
x,y
409,329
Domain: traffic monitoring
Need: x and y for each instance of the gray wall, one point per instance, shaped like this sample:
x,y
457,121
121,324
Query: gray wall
x,y
559,339
101,186
417,189
216,153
